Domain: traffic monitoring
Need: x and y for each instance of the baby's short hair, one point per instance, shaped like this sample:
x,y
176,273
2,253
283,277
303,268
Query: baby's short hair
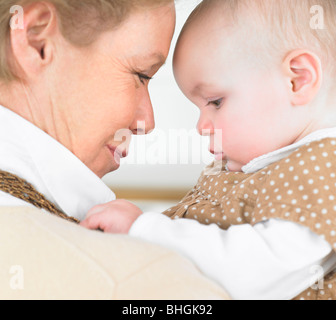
x,y
285,25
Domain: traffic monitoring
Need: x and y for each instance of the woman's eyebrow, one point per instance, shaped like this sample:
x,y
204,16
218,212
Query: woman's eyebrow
x,y
159,59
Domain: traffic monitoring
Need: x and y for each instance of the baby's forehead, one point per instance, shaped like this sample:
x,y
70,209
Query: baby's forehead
x,y
203,36
209,48
216,27
214,17
206,32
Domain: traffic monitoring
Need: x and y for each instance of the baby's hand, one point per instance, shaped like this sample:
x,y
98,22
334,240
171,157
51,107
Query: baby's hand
x,y
114,217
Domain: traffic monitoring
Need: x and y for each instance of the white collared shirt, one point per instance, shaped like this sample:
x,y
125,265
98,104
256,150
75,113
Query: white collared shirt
x,y
275,156
266,261
53,170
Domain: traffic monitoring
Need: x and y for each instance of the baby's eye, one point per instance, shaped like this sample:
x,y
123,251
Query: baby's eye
x,y
216,103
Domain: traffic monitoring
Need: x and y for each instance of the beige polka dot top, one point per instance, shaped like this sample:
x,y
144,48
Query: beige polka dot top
x,y
300,188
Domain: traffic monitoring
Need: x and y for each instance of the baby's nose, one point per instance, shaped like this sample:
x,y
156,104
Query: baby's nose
x,y
205,127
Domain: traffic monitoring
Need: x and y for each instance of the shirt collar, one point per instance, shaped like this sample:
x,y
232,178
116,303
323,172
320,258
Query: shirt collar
x,y
53,170
272,157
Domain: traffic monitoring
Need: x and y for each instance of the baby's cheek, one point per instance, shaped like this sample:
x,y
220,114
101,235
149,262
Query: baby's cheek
x,y
239,140
228,132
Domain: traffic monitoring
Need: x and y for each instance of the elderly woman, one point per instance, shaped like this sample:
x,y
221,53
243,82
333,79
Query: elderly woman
x,y
71,79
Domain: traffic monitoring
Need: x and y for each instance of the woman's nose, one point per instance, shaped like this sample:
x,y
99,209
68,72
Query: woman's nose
x,y
205,126
144,121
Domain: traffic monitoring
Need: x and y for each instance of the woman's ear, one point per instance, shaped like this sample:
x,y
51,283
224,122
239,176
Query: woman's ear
x,y
304,72
31,46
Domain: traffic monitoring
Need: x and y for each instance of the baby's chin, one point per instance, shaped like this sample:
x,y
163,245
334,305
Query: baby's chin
x,y
234,166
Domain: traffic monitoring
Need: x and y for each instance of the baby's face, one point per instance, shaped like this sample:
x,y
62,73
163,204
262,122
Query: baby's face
x,y
245,109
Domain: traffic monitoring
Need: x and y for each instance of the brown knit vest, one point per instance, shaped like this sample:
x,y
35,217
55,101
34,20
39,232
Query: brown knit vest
x,y
23,190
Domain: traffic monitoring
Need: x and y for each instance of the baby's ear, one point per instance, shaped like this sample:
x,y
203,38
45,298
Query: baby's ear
x,y
304,72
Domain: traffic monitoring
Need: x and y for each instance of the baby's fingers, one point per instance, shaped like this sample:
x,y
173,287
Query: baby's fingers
x,y
93,223
95,210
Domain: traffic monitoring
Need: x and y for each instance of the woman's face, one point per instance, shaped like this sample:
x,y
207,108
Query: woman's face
x,y
100,94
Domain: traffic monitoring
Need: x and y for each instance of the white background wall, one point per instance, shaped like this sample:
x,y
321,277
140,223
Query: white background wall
x,y
172,111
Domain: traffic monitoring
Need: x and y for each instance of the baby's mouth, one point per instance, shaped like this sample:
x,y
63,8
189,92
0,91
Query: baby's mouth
x,y
218,155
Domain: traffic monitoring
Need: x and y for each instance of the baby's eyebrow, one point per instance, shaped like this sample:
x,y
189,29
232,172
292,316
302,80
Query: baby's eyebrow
x,y
198,87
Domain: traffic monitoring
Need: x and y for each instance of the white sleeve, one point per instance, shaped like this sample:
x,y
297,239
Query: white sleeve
x,y
274,259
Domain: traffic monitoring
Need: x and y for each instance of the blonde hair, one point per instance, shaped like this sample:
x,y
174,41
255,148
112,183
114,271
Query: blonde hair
x,y
81,21
280,26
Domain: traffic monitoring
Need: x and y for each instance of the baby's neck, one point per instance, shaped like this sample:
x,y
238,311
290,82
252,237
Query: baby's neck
x,y
328,120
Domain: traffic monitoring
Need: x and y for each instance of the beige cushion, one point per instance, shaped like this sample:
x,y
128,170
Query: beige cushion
x,y
45,257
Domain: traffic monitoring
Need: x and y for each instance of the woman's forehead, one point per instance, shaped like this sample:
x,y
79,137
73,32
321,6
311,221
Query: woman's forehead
x,y
141,38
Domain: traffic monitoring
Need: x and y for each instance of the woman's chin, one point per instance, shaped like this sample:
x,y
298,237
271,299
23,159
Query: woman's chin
x,y
113,167
106,168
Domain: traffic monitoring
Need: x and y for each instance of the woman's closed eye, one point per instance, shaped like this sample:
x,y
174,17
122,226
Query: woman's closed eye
x,y
144,78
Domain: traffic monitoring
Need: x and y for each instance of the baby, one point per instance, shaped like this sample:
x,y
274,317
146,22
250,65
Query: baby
x,y
263,79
